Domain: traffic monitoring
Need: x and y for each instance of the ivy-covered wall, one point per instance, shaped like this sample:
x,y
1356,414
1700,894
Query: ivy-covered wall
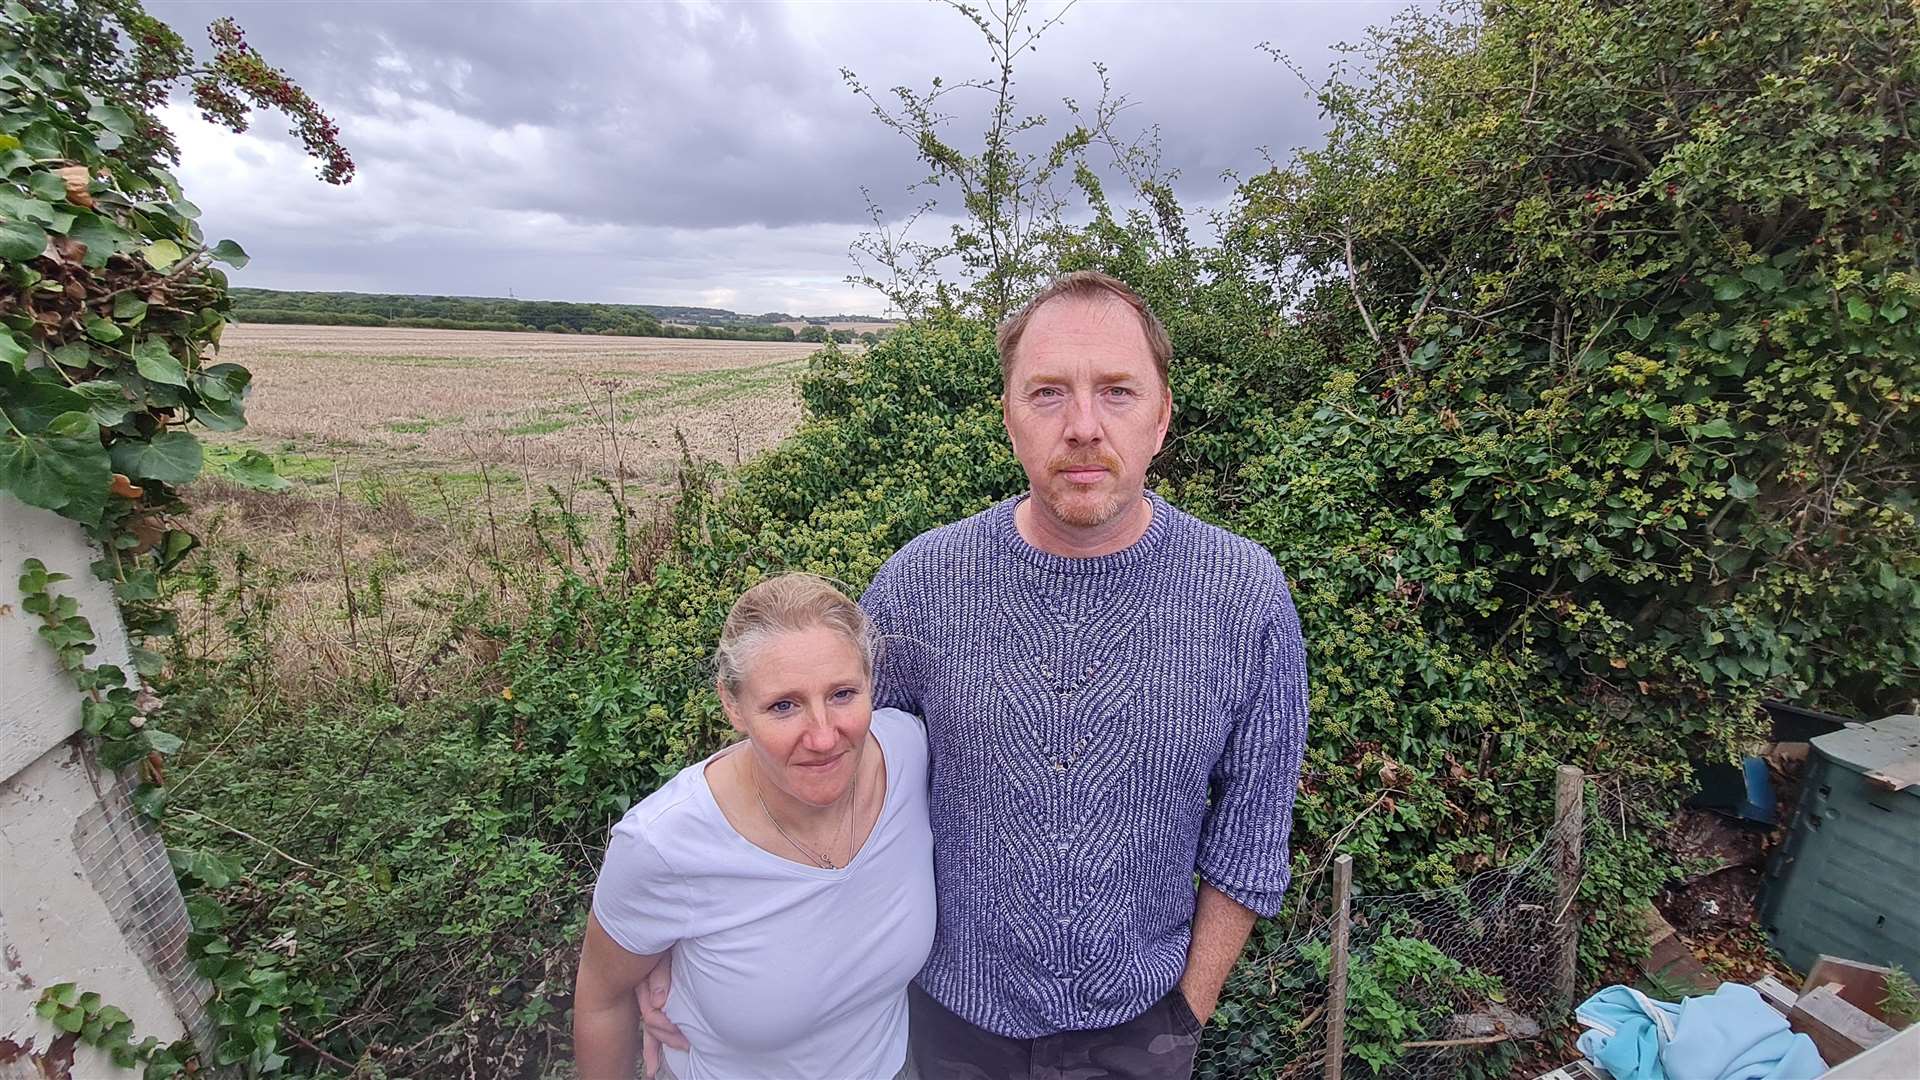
x,y
86,892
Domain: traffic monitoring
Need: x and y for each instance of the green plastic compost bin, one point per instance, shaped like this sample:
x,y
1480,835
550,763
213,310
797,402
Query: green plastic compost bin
x,y
1847,880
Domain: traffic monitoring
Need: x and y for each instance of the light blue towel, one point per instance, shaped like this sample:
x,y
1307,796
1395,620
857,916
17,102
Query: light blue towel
x,y
1730,1034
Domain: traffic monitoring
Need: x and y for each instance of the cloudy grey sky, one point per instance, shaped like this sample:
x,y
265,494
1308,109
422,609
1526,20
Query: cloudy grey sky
x,y
682,153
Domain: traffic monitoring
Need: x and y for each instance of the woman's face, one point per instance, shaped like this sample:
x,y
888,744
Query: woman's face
x,y
804,704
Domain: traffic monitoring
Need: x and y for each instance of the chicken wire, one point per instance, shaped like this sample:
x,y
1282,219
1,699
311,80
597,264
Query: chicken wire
x,y
125,861
1439,983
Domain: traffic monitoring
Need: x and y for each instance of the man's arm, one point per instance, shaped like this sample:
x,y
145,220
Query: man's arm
x,y
1244,858
1220,929
896,676
660,1031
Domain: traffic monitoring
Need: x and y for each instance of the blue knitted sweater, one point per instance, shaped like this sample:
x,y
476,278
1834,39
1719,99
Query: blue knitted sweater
x,y
1101,729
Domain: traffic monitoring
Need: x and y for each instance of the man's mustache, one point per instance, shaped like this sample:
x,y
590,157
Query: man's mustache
x,y
1090,459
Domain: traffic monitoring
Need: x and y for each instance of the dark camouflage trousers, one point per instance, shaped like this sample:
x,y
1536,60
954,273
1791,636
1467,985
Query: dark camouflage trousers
x,y
1159,1044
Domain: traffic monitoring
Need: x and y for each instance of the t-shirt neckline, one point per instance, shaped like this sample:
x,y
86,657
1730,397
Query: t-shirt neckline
x,y
887,760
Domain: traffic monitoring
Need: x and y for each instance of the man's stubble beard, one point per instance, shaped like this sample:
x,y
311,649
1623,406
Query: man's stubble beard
x,y
1089,510
1085,513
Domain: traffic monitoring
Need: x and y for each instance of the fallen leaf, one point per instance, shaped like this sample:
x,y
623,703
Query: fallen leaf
x,y
76,178
149,530
69,250
126,488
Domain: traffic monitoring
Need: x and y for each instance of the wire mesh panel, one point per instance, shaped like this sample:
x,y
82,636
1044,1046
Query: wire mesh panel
x,y
126,862
1438,982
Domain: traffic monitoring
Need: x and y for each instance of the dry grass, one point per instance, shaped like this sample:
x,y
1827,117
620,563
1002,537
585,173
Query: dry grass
x,y
417,455
448,400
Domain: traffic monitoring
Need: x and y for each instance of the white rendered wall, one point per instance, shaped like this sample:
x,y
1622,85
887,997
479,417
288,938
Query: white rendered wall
x,y
85,896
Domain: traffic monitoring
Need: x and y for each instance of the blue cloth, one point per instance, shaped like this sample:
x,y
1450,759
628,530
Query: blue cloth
x,y
1101,729
1730,1034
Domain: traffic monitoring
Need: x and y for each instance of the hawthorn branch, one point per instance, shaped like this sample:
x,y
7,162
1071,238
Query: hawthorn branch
x,y
1353,286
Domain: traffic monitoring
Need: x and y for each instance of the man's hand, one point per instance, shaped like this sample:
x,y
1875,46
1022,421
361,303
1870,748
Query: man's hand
x,y
1220,928
658,1030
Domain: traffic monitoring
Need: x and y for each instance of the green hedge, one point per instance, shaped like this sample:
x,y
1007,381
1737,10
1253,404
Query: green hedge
x,y
1570,381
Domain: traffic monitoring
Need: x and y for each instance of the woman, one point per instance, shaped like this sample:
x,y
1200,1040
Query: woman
x,y
791,873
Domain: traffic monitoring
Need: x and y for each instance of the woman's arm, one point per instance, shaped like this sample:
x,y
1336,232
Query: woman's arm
x,y
606,1015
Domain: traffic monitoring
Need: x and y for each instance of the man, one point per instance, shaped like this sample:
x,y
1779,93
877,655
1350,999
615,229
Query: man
x,y
1116,697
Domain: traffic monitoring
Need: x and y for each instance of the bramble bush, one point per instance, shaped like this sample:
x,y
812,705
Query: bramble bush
x,y
1579,416
1570,382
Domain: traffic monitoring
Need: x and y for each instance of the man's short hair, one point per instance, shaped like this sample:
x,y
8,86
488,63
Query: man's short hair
x,y
1086,284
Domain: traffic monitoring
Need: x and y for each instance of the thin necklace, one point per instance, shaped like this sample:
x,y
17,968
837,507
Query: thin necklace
x,y
845,824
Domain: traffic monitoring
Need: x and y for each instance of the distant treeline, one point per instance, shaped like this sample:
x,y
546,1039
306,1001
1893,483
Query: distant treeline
x,y
497,313
478,313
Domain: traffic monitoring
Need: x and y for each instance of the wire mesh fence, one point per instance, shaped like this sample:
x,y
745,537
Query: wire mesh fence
x,y
125,861
1440,983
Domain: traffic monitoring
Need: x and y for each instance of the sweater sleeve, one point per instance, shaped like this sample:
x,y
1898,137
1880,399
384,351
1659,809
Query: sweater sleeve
x,y
1244,843
896,677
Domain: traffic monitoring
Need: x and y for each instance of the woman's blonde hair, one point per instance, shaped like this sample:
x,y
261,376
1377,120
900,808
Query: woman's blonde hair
x,y
782,605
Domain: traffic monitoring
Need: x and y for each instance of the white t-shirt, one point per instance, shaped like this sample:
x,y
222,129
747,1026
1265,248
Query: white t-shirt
x,y
780,970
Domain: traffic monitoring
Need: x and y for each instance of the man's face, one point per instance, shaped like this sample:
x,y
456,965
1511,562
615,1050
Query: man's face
x,y
1085,409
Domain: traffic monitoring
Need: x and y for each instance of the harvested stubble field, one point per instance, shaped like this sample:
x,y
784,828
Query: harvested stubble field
x,y
416,456
444,402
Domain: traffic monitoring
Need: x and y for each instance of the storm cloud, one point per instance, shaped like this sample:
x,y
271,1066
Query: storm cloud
x,y
684,152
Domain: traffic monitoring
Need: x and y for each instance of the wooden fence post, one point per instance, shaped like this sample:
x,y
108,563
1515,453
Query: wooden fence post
x,y
1569,821
1337,971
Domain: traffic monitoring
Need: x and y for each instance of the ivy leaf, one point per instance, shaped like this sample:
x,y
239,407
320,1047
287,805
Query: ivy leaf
x,y
211,870
106,401
1890,580
150,800
12,353
102,237
230,253
113,118
1729,288
1768,278
72,425
1639,455
1859,309
1742,488
64,474
161,742
161,254
103,330
128,308
21,240
171,457
22,208
1640,326
255,470
74,354
220,415
156,363
1893,311
31,402
1717,428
